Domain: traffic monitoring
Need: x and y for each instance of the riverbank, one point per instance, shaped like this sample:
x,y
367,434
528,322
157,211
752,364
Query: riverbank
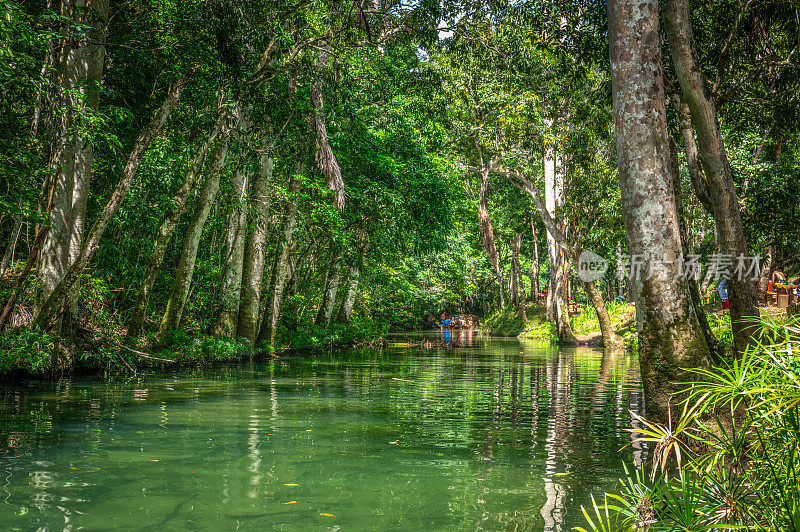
x,y
510,322
26,352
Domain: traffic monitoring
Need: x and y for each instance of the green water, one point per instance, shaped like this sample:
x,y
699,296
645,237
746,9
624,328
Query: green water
x,y
499,435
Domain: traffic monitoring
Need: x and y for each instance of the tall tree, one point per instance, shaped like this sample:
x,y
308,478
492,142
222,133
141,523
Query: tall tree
x,y
269,325
78,59
191,242
254,253
714,159
670,338
61,292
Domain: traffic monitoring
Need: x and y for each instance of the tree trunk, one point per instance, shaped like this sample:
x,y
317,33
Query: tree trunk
x,y
717,168
326,160
222,130
269,325
231,290
692,160
78,71
610,338
61,293
549,163
766,271
325,312
191,242
694,288
487,233
353,278
253,274
535,262
516,270
557,310
670,338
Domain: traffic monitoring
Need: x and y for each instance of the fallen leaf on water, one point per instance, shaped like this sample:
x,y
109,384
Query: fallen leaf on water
x,y
561,474
327,515
291,502
291,484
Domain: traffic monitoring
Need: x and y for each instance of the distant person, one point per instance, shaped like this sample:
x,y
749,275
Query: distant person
x,y
778,277
443,317
447,321
723,292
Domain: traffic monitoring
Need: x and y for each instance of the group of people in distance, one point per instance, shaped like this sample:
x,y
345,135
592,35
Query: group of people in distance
x,y
457,322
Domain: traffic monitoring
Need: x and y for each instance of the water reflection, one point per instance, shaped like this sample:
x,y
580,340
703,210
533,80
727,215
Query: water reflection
x,y
500,433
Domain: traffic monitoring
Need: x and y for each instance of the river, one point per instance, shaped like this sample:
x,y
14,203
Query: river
x,y
494,434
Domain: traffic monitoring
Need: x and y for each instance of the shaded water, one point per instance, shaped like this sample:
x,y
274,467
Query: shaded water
x,y
500,435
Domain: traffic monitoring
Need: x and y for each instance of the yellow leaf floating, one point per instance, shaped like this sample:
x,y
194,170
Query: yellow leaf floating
x,y
291,484
291,502
327,515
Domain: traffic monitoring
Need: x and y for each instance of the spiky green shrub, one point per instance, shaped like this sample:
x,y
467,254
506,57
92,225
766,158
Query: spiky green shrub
x,y
732,460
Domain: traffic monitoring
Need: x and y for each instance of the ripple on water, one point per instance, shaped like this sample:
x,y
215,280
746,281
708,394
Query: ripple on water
x,y
497,434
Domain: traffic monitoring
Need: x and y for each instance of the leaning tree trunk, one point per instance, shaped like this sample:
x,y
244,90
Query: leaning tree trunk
x,y
253,269
78,69
221,130
692,158
670,338
269,324
714,159
191,242
325,312
487,232
231,289
325,158
61,293
694,288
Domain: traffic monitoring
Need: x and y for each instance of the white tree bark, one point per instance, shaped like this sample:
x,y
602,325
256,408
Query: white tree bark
x,y
254,259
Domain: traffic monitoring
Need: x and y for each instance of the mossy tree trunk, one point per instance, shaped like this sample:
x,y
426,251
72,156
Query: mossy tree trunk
x,y
231,289
325,312
670,337
77,69
221,130
714,159
254,257
269,324
184,273
67,286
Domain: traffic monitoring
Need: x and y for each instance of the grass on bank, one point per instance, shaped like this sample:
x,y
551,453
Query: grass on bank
x,y
509,322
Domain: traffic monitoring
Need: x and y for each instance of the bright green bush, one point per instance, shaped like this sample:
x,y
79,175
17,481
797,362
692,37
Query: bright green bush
x,y
586,322
25,349
509,322
732,460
